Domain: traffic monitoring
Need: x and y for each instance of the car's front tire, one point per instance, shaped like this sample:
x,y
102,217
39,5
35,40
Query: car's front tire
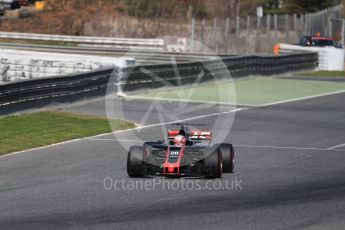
x,y
135,161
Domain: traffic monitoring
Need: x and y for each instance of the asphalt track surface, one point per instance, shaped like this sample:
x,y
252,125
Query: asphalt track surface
x,y
290,177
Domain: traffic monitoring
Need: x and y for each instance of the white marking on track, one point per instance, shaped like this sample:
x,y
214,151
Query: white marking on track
x,y
336,147
117,140
234,104
186,100
193,118
288,147
302,98
244,146
126,130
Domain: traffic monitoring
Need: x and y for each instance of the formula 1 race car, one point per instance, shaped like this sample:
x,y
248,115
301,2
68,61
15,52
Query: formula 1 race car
x,y
187,153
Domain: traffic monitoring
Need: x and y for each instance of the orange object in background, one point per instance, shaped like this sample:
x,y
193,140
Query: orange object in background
x,y
276,49
40,5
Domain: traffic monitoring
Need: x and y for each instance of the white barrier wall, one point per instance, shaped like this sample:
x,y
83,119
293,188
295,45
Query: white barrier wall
x,y
6,3
25,65
330,58
154,44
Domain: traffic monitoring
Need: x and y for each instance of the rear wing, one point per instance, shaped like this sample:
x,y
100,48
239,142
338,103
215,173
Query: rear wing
x,y
193,135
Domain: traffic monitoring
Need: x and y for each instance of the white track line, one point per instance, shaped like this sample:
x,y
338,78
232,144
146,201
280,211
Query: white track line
x,y
186,100
43,147
179,121
193,118
336,147
234,104
241,146
126,130
288,147
303,98
113,139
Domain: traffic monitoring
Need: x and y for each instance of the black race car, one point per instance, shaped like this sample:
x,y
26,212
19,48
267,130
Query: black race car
x,y
195,158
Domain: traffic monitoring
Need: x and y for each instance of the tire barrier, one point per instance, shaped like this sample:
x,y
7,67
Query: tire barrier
x,y
329,58
39,93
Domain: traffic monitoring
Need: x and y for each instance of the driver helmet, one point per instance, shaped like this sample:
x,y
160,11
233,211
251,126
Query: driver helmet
x,y
180,141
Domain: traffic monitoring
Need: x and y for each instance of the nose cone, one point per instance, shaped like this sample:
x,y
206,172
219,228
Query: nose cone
x,y
171,169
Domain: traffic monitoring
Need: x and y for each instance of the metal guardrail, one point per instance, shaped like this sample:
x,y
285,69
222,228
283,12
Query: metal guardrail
x,y
147,57
136,77
39,93
138,43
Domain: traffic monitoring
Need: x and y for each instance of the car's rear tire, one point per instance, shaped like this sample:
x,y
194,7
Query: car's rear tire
x,y
135,161
228,157
213,165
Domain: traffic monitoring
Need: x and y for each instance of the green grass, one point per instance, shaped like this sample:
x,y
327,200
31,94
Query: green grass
x,y
252,91
323,74
44,128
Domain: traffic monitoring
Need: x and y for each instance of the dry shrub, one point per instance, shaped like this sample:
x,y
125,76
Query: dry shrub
x,y
60,17
122,18
123,26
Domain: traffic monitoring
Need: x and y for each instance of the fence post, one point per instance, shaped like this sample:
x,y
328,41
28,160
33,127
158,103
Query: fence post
x,y
248,34
203,32
295,23
286,28
319,23
248,25
302,25
325,23
316,23
268,32
307,24
318,28
238,35
275,28
215,43
193,35
258,33
226,35
343,32
329,22
312,22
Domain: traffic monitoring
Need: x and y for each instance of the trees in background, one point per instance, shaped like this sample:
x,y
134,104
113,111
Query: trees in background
x,y
302,6
296,6
196,8
217,8
146,18
165,8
